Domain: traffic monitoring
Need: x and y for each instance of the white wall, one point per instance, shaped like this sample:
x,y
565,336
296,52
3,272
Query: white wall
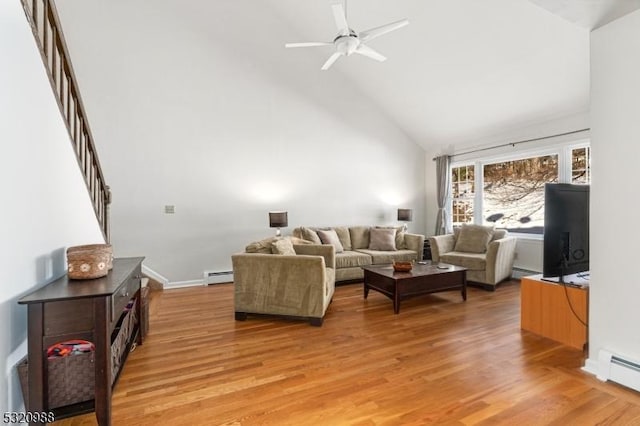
x,y
186,113
615,104
46,206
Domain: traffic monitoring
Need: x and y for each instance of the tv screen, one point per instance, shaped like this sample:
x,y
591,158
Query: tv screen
x,y
566,230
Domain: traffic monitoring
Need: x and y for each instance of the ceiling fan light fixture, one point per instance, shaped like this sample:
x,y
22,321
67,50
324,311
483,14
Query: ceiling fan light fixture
x,y
348,41
347,45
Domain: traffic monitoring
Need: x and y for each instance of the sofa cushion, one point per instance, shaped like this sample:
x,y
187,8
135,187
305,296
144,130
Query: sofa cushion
x,y
400,231
359,237
344,236
330,237
382,239
383,257
350,259
472,261
283,246
473,238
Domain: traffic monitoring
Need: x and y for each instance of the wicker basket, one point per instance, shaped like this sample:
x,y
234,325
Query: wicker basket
x,y
89,261
400,266
71,379
120,338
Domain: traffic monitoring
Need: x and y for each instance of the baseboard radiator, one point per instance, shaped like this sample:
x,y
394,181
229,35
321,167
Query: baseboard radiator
x,y
218,277
517,273
619,369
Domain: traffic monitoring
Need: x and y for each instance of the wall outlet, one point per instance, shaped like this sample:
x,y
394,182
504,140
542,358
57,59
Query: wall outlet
x,y
169,209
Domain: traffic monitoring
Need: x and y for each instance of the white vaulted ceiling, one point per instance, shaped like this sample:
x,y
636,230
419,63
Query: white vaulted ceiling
x,y
461,71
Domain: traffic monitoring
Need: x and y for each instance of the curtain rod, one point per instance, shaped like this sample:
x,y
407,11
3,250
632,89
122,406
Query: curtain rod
x,y
518,142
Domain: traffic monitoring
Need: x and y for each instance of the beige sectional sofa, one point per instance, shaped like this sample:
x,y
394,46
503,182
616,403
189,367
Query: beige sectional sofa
x,y
486,252
358,246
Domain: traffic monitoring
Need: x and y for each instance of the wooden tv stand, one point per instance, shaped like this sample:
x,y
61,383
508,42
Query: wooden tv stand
x,y
545,310
90,310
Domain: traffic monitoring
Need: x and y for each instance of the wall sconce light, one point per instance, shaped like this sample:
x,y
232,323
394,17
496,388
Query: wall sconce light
x,y
278,220
405,215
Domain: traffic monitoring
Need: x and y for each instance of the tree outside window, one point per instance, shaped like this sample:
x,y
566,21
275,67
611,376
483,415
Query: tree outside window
x,y
513,192
463,192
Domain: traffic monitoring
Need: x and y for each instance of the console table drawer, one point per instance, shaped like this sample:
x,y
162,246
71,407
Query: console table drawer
x,y
122,296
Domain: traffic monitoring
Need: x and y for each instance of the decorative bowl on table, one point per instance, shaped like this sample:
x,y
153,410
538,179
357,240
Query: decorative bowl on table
x,y
402,266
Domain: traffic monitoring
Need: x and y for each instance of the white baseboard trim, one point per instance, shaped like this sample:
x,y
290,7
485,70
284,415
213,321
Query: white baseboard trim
x,y
154,275
13,381
166,284
591,366
183,284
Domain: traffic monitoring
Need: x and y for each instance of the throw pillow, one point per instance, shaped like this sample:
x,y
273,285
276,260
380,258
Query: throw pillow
x,y
359,237
344,236
330,237
283,246
473,238
383,239
262,246
311,235
296,240
400,244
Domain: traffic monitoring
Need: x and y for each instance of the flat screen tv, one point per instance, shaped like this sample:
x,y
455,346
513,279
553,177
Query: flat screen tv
x,y
566,230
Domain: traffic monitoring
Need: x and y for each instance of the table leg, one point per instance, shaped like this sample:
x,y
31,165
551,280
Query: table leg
x,y
38,378
102,361
396,298
464,285
366,289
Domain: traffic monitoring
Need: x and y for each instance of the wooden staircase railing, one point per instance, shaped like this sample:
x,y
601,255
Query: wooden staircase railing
x,y
45,25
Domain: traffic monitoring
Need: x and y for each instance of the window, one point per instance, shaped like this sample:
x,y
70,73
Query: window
x,y
511,194
463,193
514,192
581,165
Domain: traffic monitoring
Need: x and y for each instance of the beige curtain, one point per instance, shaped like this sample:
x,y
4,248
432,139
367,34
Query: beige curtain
x,y
443,182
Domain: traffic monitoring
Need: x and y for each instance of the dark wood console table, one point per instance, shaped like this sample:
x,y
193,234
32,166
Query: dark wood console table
x,y
83,309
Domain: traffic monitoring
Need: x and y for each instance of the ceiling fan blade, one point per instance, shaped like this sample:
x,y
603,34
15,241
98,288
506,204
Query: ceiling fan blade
x,y
309,44
340,18
378,31
370,53
331,60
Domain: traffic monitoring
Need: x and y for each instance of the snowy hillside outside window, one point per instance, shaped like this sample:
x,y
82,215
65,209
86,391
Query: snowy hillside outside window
x,y
514,193
509,192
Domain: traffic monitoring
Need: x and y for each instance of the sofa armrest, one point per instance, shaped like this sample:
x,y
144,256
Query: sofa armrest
x,y
500,256
441,244
325,250
414,242
280,284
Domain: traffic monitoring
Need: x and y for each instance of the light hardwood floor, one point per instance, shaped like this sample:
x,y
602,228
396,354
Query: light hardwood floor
x,y
441,360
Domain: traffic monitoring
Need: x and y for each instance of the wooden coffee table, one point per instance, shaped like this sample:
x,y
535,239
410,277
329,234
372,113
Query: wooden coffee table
x,y
422,279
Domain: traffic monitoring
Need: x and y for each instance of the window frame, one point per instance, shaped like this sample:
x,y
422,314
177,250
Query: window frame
x,y
562,150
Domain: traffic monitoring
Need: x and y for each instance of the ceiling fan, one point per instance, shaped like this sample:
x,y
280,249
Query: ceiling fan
x,y
348,41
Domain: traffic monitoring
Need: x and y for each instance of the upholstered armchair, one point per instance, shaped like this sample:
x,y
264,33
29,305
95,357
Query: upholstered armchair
x,y
298,285
488,254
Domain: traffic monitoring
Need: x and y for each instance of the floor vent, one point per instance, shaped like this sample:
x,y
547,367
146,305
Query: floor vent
x,y
218,277
618,369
